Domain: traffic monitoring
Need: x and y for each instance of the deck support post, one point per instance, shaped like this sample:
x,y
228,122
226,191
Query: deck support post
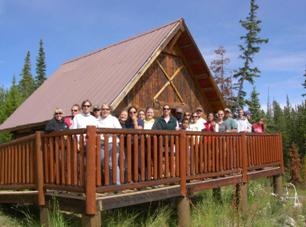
x,y
91,220
217,195
183,211
44,216
242,197
277,185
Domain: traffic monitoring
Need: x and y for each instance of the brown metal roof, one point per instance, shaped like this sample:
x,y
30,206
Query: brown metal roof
x,y
101,76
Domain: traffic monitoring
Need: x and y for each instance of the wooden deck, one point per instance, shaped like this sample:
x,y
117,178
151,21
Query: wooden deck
x,y
150,166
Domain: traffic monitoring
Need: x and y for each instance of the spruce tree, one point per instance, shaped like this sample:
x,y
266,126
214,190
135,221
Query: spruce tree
x,y
304,84
254,105
26,85
13,98
40,65
224,82
2,104
251,46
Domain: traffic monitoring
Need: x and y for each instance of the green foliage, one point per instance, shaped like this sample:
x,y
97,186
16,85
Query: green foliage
x,y
254,105
40,66
304,84
26,84
251,46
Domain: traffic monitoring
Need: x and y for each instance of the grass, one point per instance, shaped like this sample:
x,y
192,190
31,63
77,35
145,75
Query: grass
x,y
264,209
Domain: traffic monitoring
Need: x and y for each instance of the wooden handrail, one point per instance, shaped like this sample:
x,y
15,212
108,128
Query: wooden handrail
x,y
72,160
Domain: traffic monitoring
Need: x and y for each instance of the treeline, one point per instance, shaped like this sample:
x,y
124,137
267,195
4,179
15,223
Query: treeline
x,y
12,97
289,120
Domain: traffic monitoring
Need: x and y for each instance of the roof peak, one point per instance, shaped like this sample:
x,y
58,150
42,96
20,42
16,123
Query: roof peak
x,y
181,20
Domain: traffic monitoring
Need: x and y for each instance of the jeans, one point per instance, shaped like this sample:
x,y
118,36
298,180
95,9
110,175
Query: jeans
x,y
110,162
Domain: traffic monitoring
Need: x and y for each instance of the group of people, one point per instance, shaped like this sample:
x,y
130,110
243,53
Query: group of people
x,y
132,118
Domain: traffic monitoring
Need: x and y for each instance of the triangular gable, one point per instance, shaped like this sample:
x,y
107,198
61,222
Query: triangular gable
x,y
104,76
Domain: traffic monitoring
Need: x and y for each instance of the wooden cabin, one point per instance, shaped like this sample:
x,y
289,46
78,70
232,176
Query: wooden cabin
x,y
161,66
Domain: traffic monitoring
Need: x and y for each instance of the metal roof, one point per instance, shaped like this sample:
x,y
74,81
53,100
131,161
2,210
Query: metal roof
x,y
101,76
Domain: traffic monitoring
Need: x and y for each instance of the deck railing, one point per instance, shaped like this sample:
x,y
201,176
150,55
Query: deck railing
x,y
73,160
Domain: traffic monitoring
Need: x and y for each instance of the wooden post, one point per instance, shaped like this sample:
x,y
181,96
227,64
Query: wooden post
x,y
44,216
183,212
39,170
91,220
277,185
242,197
90,186
244,158
182,158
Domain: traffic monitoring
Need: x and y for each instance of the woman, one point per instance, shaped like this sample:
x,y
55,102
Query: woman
x,y
210,125
75,109
149,120
133,121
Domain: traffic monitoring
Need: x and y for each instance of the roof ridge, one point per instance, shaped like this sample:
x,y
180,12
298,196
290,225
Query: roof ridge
x,y
123,41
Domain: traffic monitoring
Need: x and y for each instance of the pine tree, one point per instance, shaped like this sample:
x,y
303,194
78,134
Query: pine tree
x,y
2,104
251,46
13,98
304,84
26,84
224,82
254,105
40,66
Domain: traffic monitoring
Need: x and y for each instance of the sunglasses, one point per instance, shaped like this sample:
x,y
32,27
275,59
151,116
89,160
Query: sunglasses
x,y
166,108
74,110
86,105
58,113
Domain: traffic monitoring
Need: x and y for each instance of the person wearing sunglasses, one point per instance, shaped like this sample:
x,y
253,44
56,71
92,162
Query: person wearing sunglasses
x,y
84,119
133,121
195,125
57,122
75,109
166,121
107,120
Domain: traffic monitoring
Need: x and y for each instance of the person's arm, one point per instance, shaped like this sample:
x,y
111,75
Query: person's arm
x,y
50,126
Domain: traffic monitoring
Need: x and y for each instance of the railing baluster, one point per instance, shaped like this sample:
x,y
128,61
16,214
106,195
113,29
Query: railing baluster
x,y
149,157
121,157
135,158
155,162
142,157
129,158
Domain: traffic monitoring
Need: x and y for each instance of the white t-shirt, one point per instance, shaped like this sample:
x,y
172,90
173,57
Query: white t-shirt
x,y
82,120
243,125
148,124
109,122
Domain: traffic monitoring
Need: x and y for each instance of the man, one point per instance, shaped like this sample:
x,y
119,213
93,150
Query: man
x,y
201,120
179,115
96,112
84,119
57,122
109,121
231,124
166,121
243,123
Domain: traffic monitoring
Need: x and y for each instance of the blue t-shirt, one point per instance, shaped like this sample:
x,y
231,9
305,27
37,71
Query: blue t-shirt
x,y
130,124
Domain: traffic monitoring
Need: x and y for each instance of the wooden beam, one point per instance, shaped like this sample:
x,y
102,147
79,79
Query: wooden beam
x,y
133,198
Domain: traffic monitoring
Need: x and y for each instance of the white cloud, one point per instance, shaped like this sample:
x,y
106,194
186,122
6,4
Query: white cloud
x,y
282,61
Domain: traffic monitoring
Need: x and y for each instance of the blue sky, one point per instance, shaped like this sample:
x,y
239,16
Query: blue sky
x,y
70,28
